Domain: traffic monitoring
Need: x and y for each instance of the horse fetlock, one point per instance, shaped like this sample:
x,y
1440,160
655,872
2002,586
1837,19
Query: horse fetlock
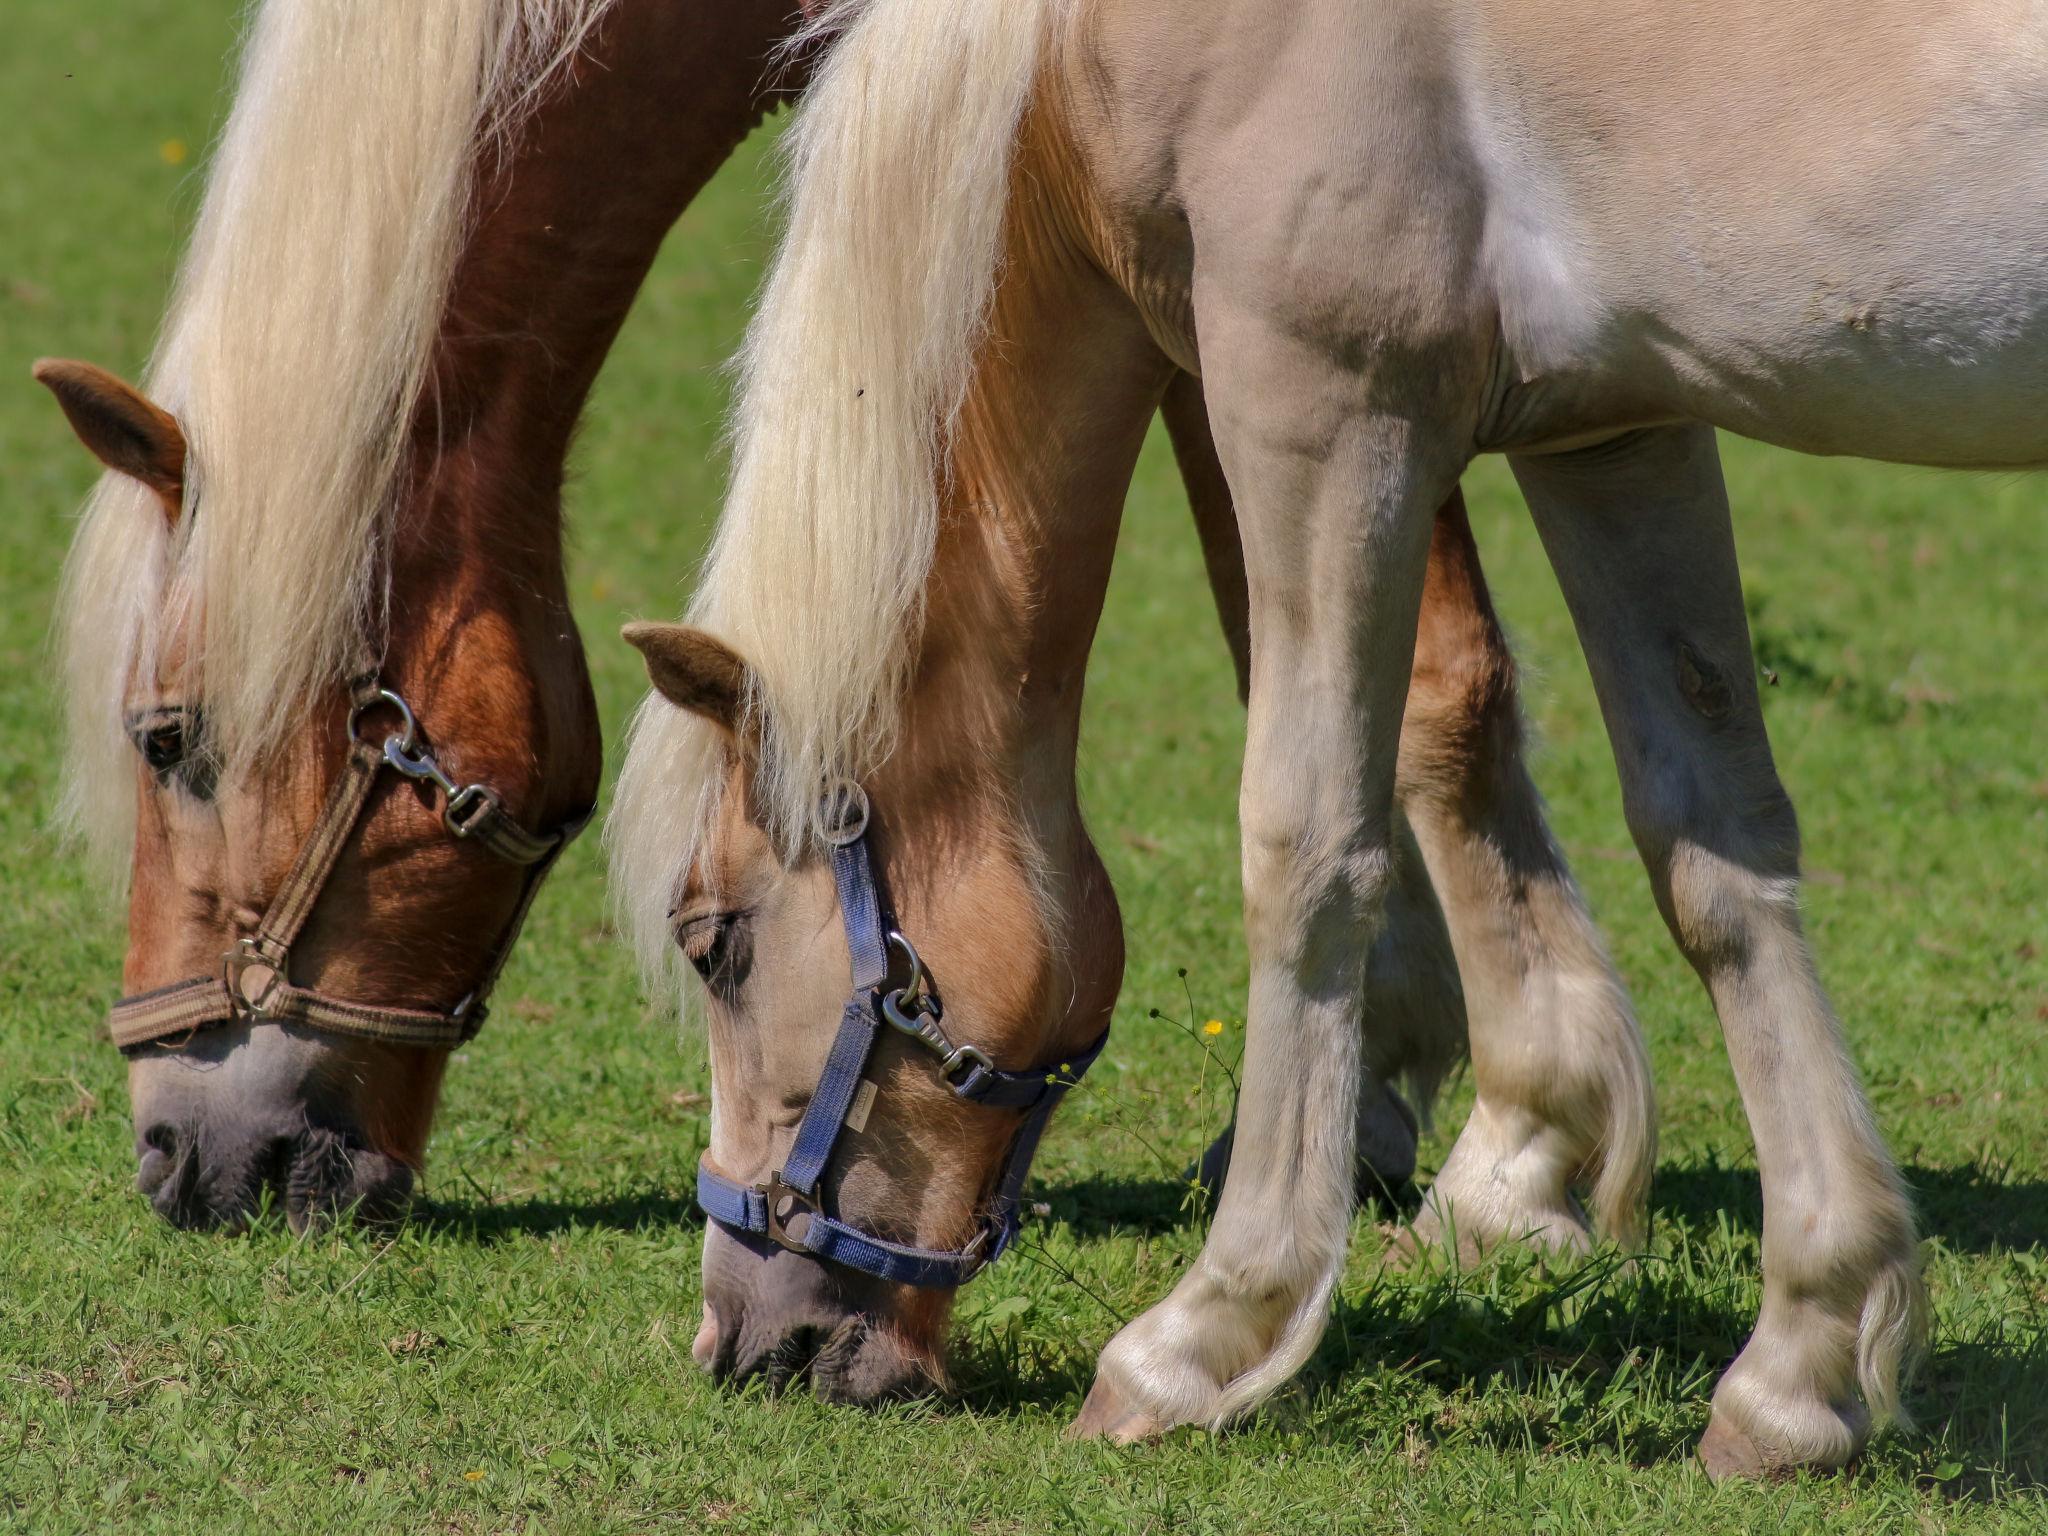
x,y
1772,1415
1821,1371
1221,1343
1507,1180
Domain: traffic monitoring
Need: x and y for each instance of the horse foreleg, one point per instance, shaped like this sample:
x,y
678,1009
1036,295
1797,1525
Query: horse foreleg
x,y
1638,533
1413,996
1336,500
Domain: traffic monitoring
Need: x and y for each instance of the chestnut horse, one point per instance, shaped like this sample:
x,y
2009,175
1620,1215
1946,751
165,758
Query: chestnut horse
x,y
518,258
1387,238
414,252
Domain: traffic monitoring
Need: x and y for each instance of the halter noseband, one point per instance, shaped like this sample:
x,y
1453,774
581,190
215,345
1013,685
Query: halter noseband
x,y
254,982
789,1208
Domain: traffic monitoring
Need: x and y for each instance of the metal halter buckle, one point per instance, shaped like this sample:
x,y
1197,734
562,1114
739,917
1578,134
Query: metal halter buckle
x,y
468,806
463,805
785,1203
235,964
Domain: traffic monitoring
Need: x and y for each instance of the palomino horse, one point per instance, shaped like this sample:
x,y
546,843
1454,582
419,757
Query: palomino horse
x,y
1388,238
415,250
329,1105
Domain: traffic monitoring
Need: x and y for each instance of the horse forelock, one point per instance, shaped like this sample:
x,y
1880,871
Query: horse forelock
x,y
296,349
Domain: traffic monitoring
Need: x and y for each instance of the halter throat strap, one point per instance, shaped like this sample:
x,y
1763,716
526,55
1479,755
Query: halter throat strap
x,y
789,1208
254,982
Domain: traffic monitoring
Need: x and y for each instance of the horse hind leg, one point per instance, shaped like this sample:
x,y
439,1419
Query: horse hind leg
x,y
1563,1098
1562,1078
1639,535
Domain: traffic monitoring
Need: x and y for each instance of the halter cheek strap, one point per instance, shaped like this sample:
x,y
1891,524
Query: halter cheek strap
x,y
788,1209
254,982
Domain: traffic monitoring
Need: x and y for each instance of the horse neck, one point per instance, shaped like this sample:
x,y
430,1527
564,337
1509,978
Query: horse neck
x,y
1064,387
572,217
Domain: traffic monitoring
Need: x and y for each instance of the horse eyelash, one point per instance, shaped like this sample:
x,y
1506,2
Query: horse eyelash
x,y
700,935
715,944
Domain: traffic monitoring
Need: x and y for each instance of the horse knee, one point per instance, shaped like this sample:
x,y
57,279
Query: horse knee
x,y
1312,889
1723,858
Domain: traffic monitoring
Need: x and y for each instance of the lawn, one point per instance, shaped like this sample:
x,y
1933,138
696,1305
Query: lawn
x,y
516,1357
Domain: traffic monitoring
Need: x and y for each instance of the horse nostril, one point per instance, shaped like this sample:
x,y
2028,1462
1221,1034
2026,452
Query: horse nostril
x,y
158,1158
172,1175
330,1176
790,1361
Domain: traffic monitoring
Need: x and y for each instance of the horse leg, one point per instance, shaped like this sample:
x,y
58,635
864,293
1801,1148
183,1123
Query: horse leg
x,y
1335,498
1563,1082
1638,532
1413,998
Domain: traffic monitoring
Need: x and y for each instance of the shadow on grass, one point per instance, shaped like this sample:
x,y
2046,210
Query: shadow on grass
x,y
1104,1207
488,1222
1594,1356
1972,1208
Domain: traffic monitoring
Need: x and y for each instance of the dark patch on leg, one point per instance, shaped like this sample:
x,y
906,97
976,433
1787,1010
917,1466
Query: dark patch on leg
x,y
1702,683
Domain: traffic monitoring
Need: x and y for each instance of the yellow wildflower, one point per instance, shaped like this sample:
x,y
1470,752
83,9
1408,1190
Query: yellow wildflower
x,y
173,151
1213,1027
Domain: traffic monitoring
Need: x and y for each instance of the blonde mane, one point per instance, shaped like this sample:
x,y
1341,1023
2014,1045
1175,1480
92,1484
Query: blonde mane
x,y
297,345
853,371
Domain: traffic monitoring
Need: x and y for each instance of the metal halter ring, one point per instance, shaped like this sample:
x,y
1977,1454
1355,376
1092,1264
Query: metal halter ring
x,y
408,739
249,954
917,991
843,814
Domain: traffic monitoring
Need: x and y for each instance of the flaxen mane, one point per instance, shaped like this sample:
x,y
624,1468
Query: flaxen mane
x,y
297,345
853,371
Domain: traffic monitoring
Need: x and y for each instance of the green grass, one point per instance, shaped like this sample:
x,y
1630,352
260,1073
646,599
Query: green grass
x,y
516,1357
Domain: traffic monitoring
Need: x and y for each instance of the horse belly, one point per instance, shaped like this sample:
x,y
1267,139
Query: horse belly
x,y
1819,223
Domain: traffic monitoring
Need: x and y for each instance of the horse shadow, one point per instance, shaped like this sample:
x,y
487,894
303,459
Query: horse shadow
x,y
1104,1206
1971,1208
1559,1340
1563,1341
486,1223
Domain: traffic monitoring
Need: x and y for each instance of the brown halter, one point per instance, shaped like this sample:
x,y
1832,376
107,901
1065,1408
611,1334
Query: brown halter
x,y
254,983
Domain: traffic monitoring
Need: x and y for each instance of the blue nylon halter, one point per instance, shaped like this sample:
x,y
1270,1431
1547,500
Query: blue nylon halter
x,y
788,1208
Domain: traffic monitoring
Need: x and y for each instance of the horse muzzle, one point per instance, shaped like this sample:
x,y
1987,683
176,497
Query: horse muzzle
x,y
787,1319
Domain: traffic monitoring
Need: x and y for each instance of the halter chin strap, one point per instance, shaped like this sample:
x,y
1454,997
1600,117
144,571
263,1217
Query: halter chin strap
x,y
788,1209
254,982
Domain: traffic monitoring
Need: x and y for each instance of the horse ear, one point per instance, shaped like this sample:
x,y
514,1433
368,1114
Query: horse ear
x,y
124,428
693,671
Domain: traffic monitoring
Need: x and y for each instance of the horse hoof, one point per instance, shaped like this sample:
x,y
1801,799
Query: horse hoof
x,y
1727,1452
1106,1416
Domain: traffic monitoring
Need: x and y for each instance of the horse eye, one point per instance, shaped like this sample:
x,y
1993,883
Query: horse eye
x,y
166,738
163,744
717,946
